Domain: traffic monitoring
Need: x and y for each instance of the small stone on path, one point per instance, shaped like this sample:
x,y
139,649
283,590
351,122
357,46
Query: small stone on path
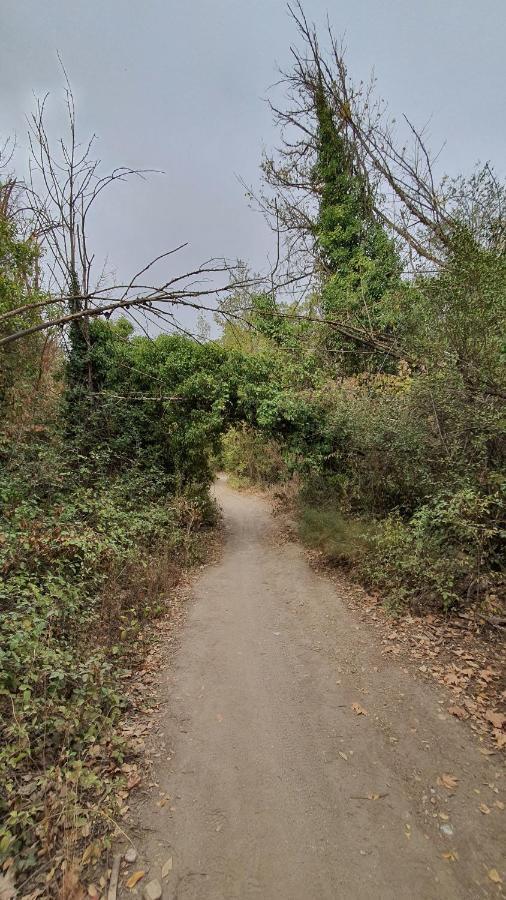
x,y
130,855
153,890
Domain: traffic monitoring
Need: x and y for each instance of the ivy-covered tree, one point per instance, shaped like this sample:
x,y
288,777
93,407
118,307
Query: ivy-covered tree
x,y
358,261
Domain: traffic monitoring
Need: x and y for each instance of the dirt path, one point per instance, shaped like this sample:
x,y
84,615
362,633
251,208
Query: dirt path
x,y
268,768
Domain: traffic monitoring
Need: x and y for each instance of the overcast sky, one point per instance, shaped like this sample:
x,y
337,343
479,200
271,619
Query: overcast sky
x,y
180,86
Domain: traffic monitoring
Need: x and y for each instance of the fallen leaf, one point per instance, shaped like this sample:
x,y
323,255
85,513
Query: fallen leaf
x,y
494,876
458,711
451,855
359,710
132,881
7,889
500,738
484,809
167,867
70,887
91,852
486,675
447,781
133,781
495,718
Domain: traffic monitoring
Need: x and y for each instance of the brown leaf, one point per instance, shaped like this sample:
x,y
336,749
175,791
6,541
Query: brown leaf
x,y
500,738
70,887
132,881
495,718
458,711
484,809
486,675
133,781
359,710
92,851
448,781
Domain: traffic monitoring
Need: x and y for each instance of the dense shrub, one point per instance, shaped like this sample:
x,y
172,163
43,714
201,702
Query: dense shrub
x,y
86,558
101,497
250,457
417,457
446,553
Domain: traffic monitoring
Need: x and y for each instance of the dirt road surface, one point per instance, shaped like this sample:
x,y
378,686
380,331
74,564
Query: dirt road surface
x,y
278,788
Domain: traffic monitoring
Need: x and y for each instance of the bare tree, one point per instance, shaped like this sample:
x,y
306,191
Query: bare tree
x,y
424,212
65,182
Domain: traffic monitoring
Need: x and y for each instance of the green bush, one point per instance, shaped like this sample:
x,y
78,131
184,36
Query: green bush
x,y
446,553
418,457
87,557
251,457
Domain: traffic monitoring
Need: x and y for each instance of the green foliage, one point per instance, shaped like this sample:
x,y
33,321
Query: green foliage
x,y
417,456
250,457
342,540
448,550
359,260
159,402
78,552
461,315
18,260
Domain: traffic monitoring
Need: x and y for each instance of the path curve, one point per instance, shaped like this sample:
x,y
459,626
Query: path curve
x,y
267,766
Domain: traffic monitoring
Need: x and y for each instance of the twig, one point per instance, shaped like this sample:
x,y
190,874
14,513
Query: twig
x,y
113,884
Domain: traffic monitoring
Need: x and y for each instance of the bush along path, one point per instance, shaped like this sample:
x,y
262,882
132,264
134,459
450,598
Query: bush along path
x,y
292,758
83,580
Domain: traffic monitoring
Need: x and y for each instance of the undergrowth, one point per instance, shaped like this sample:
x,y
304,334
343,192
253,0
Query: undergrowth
x,y
87,558
397,478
